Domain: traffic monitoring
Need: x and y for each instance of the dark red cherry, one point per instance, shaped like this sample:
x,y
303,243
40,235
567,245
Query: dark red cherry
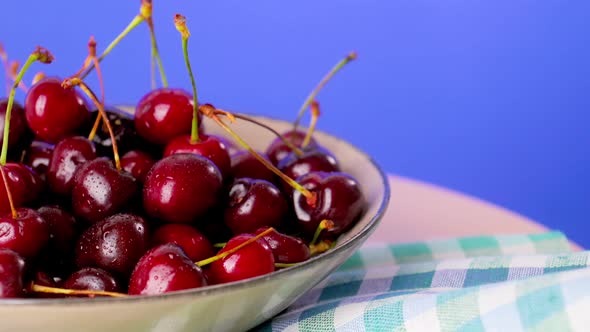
x,y
114,244
164,269
67,157
196,246
181,188
277,150
38,155
18,123
100,190
62,229
339,199
208,146
244,165
137,163
255,259
12,267
53,112
26,234
314,159
253,204
286,249
25,186
92,278
164,114
43,278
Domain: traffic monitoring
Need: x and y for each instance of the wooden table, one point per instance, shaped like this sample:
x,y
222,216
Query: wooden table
x,y
419,211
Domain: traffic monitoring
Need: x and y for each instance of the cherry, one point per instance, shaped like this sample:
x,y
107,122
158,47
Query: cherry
x,y
45,279
68,155
113,244
245,165
207,146
181,188
339,199
277,150
25,184
164,114
137,163
253,204
313,159
18,123
26,232
54,112
123,129
196,246
12,267
286,249
100,190
253,260
62,229
163,269
92,278
38,155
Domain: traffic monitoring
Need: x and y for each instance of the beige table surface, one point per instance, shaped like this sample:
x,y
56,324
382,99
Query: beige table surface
x,y
420,211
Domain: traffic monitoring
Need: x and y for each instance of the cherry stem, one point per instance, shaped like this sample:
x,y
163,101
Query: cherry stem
x,y
324,224
39,76
209,111
41,55
13,72
103,114
156,56
219,245
8,192
54,290
285,141
234,249
315,114
283,265
95,126
321,247
312,96
180,24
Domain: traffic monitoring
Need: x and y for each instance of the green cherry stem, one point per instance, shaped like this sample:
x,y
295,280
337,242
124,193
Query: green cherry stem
x,y
312,96
64,291
324,224
315,114
40,54
180,24
234,249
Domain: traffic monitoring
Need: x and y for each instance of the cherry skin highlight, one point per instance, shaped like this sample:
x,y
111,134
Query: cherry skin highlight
x,y
53,112
195,245
94,279
286,249
68,155
26,234
208,146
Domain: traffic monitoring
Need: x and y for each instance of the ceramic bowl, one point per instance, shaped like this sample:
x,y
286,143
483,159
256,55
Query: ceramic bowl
x,y
236,306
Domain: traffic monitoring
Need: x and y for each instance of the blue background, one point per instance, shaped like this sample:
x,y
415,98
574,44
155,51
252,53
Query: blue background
x,y
490,98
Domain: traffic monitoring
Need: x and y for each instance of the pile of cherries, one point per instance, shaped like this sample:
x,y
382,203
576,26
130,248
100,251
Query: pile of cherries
x,y
176,211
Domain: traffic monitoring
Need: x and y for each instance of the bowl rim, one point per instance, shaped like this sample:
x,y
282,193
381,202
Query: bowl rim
x,y
364,232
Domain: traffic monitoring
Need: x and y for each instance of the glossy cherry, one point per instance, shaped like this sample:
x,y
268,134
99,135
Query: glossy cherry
x,y
244,165
253,260
92,278
62,229
38,155
100,190
113,244
68,155
277,150
339,199
195,245
18,123
253,204
137,163
12,267
163,114
25,186
181,188
208,146
26,234
286,249
53,112
313,159
164,269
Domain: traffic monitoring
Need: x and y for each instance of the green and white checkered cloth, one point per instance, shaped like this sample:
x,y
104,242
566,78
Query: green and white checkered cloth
x,y
500,283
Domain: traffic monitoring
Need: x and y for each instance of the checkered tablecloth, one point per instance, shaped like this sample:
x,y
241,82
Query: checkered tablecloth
x,y
500,283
